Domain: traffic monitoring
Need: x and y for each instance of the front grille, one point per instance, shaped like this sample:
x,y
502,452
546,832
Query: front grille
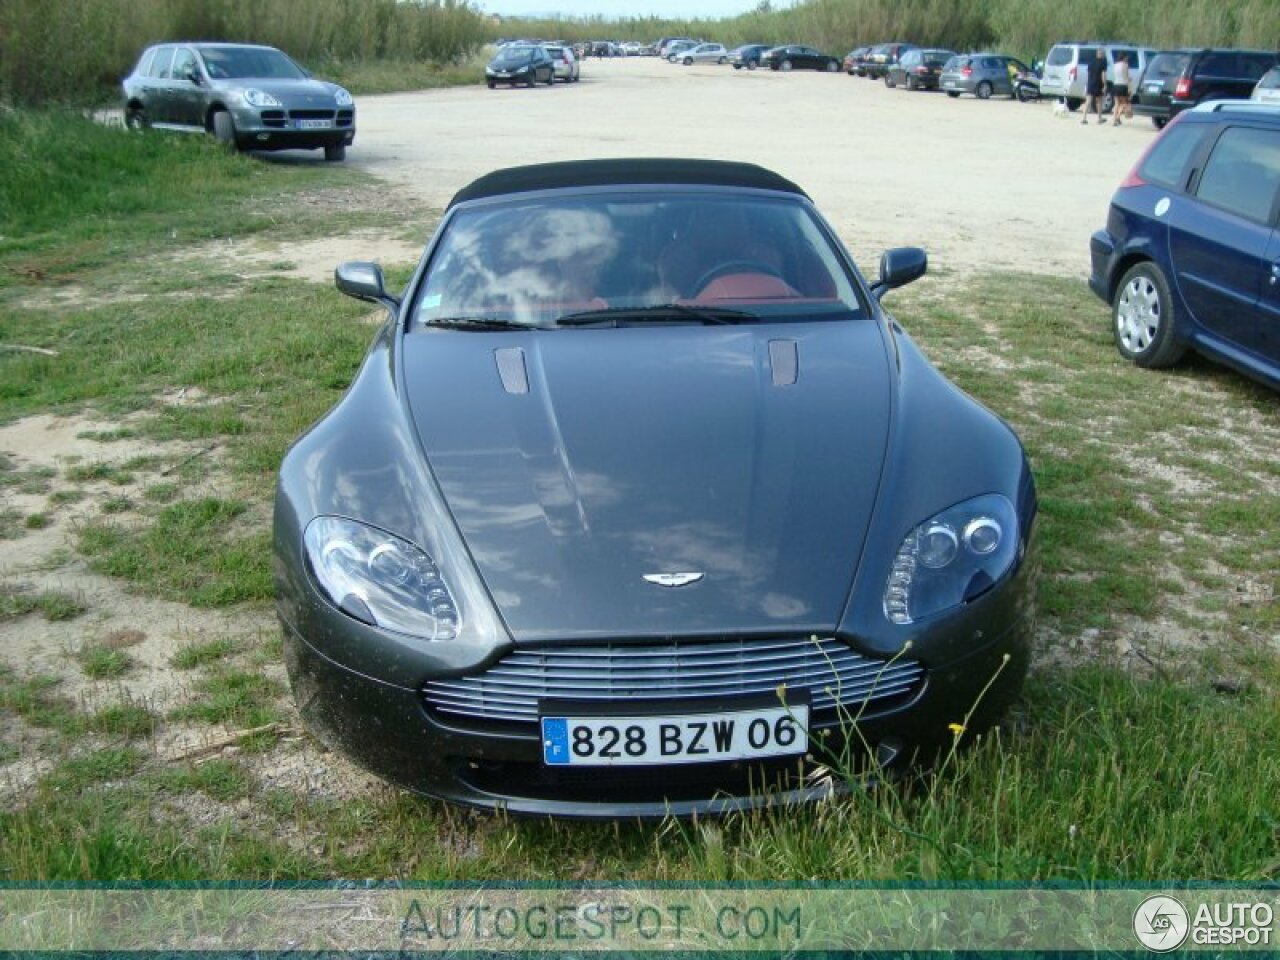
x,y
310,114
827,669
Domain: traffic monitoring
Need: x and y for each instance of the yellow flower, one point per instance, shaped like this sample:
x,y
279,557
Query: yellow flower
x,y
956,728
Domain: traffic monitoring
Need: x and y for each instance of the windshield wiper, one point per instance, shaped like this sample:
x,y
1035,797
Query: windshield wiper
x,y
478,323
616,316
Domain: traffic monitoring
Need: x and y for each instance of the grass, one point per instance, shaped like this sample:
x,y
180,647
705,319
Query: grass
x,y
1142,748
53,605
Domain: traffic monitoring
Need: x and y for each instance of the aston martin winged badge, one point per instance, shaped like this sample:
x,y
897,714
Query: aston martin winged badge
x,y
673,579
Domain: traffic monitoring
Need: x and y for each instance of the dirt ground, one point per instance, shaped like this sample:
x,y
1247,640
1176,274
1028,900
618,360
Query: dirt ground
x,y
980,184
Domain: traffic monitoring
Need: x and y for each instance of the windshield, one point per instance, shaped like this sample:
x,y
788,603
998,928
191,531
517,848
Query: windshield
x,y
515,54
236,63
534,263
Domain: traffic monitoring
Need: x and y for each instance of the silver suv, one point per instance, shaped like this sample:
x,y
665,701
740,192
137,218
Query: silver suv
x,y
1064,74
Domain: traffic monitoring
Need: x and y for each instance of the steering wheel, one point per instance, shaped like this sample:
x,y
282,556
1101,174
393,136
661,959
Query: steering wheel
x,y
734,266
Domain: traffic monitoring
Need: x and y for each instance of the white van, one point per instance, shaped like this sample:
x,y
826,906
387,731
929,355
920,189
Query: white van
x,y
1064,74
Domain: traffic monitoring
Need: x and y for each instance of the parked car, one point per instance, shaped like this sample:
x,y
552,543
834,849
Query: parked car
x,y
1179,79
882,56
855,61
747,55
918,69
676,49
705,53
1188,258
799,58
520,63
665,42
1064,75
1268,88
249,97
982,74
490,593
564,63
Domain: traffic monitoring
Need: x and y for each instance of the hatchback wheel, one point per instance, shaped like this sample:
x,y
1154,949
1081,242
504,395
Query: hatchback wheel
x,y
751,64
688,61
722,61
832,66
983,91
786,64
1143,318
224,129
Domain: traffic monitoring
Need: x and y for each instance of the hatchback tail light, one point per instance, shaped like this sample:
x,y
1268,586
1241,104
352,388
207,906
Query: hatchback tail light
x,y
967,71
1183,89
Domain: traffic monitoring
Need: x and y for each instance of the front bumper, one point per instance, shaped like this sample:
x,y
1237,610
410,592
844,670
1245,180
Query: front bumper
x,y
390,730
280,128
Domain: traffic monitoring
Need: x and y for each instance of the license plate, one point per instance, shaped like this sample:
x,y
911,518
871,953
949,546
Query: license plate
x,y
313,124
1154,88
639,741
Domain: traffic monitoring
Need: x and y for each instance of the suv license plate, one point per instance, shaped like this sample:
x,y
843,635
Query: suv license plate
x,y
313,124
638,741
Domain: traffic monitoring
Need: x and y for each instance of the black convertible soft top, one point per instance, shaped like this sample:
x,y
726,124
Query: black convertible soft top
x,y
595,173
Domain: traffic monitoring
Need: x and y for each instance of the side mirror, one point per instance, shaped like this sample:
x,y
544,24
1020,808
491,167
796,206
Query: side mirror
x,y
898,267
363,281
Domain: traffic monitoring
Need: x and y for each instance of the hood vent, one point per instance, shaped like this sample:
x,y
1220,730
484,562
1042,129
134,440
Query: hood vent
x,y
784,359
511,368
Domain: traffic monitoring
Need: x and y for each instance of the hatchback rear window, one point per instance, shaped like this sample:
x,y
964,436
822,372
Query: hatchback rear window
x,y
1169,160
1060,56
1167,65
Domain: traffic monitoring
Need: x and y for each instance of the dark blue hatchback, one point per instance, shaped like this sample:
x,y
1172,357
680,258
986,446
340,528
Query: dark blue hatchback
x,y
1190,257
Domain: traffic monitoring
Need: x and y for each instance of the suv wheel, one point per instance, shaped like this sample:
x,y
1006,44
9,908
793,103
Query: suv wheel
x,y
1142,315
785,65
335,152
224,129
135,118
983,91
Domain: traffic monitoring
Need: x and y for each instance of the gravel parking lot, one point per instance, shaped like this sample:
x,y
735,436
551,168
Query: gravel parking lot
x,y
980,184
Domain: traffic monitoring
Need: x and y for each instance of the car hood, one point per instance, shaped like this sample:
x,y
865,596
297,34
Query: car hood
x,y
287,91
578,462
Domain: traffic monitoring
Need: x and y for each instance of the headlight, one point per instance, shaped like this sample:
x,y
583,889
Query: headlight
x,y
342,98
951,558
380,579
260,98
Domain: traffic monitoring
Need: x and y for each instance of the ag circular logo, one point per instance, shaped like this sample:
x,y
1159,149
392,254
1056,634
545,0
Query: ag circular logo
x,y
1161,923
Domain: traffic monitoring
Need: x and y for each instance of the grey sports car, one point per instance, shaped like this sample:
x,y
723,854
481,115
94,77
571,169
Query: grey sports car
x,y
641,504
249,97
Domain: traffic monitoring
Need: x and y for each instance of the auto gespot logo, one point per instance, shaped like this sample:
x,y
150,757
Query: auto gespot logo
x,y
1162,923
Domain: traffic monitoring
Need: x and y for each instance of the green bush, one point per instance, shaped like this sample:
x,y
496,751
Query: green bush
x,y
76,51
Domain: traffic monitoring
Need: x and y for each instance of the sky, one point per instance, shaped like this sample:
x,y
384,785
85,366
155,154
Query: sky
x,y
623,8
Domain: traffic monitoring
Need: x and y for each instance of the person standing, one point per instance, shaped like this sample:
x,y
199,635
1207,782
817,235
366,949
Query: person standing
x,y
1094,84
1120,90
